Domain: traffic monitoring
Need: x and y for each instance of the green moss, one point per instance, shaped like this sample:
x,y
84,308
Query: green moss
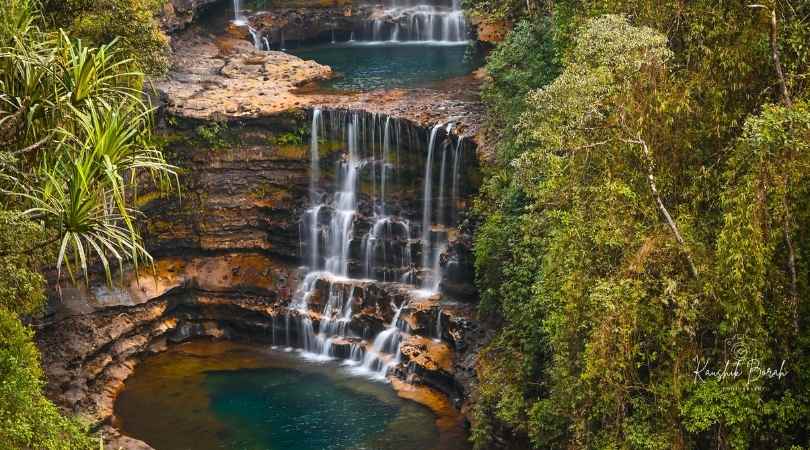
x,y
212,135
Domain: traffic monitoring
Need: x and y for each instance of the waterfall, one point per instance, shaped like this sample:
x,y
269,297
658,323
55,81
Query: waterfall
x,y
442,178
409,21
313,214
237,13
341,225
387,343
257,37
427,202
438,325
314,153
455,179
362,202
385,156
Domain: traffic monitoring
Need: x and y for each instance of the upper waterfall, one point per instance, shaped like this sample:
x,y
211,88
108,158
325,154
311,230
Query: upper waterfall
x,y
238,18
418,21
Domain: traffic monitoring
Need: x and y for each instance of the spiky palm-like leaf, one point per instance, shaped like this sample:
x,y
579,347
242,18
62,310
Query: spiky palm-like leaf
x,y
75,121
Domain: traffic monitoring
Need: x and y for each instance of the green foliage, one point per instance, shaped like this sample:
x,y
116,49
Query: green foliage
x,y
75,146
99,22
526,60
76,133
27,418
647,213
21,286
290,137
212,135
498,9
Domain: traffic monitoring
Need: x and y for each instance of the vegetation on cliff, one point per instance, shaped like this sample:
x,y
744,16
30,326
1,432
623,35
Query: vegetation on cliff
x,y
75,135
131,22
646,225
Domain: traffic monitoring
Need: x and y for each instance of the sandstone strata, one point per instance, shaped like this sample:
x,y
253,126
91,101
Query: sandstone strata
x,y
227,251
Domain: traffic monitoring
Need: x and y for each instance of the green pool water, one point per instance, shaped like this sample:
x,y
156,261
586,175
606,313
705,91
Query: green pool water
x,y
363,67
206,395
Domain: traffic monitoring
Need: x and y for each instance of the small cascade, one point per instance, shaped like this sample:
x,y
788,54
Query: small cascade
x,y
357,232
258,39
385,352
438,325
406,21
238,18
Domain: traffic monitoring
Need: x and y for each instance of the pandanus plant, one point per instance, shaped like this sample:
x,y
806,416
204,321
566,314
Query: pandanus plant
x,y
76,130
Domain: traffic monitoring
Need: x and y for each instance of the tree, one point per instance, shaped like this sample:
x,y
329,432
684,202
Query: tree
x,y
76,140
647,213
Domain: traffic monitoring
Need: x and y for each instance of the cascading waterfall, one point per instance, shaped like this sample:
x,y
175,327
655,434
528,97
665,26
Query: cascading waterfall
x,y
237,13
258,39
385,351
362,207
408,21
434,242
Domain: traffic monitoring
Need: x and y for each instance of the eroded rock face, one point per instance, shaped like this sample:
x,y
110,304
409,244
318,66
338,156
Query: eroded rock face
x,y
87,356
176,15
321,21
242,186
228,249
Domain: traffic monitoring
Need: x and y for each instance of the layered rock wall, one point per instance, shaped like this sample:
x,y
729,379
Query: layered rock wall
x,y
226,241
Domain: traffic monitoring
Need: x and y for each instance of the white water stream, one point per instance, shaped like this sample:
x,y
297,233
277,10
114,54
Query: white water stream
x,y
339,273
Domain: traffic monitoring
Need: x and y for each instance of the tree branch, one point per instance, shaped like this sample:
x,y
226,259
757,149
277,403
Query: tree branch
x,y
774,34
776,61
794,288
672,225
35,145
31,249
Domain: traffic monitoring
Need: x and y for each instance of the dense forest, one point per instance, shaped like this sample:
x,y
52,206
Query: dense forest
x,y
645,223
642,233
